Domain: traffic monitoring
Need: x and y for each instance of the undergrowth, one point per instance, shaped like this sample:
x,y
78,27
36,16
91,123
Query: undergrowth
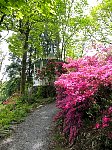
x,y
12,114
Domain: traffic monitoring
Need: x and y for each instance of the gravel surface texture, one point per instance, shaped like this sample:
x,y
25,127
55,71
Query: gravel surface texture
x,y
34,132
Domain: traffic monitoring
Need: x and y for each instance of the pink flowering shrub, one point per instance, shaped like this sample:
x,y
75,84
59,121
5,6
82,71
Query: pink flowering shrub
x,y
84,94
48,74
51,70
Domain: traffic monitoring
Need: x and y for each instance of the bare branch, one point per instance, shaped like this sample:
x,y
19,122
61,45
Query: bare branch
x,y
2,18
4,38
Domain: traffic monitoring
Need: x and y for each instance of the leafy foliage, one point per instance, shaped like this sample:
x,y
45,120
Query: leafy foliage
x,y
12,86
102,19
12,113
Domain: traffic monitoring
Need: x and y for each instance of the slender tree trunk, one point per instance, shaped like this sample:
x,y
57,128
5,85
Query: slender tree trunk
x,y
64,53
63,48
23,73
57,47
30,63
24,58
30,66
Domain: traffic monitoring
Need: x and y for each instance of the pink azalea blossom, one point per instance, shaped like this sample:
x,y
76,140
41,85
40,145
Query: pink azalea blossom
x,y
110,110
97,126
77,88
105,119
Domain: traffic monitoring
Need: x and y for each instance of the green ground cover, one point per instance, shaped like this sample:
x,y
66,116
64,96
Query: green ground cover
x,y
13,114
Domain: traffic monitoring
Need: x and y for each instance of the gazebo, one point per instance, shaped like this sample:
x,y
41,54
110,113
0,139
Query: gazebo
x,y
38,65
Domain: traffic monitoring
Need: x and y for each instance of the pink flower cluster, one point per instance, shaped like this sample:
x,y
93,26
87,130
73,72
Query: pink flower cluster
x,y
76,91
51,70
106,123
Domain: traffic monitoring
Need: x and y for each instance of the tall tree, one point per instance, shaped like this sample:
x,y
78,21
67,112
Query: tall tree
x,y
71,23
32,14
62,20
102,17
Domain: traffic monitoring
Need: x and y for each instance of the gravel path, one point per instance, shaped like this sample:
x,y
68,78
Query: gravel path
x,y
34,132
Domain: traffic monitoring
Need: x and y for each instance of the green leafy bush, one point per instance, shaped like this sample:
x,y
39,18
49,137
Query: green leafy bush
x,y
12,113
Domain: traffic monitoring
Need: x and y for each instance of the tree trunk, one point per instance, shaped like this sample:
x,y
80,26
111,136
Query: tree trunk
x,y
23,73
29,78
64,54
24,58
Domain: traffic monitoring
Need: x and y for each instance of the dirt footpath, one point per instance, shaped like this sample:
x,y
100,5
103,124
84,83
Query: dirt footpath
x,y
34,132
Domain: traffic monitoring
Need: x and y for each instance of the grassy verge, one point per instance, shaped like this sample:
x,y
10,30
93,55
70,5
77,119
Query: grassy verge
x,y
12,114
